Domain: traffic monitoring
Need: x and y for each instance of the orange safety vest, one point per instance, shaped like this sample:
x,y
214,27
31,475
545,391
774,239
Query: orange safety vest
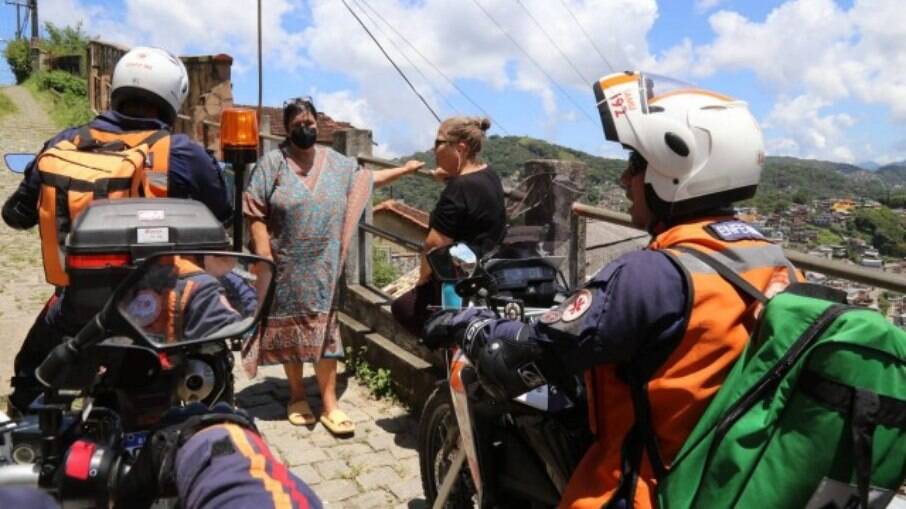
x,y
171,302
95,164
718,328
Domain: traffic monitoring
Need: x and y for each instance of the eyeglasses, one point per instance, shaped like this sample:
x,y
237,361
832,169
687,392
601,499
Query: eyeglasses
x,y
438,142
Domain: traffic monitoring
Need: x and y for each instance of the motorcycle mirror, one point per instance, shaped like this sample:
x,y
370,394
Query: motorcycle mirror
x,y
192,297
454,262
18,162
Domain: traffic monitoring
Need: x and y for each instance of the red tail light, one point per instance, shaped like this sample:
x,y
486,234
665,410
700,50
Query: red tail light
x,y
97,261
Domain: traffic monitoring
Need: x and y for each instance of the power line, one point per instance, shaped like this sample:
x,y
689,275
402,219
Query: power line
x,y
535,62
400,71
554,43
403,53
453,84
588,37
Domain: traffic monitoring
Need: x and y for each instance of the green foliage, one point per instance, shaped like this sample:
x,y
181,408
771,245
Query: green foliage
x,y
886,228
17,56
60,82
6,106
896,201
384,272
65,40
378,381
827,237
63,95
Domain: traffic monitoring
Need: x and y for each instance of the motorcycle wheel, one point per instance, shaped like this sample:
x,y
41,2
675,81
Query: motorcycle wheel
x,y
438,441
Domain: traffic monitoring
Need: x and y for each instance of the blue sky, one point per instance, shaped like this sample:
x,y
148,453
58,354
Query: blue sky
x,y
822,76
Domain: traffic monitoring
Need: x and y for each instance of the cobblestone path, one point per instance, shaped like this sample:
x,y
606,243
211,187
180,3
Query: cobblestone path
x,y
375,468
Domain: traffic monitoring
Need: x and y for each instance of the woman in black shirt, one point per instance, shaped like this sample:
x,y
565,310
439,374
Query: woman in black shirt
x,y
470,209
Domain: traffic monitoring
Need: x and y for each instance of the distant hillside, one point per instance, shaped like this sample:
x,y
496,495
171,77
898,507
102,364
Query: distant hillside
x,y
785,179
894,173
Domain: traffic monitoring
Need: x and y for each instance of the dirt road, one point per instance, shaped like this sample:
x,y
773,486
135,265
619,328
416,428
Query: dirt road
x,y
22,287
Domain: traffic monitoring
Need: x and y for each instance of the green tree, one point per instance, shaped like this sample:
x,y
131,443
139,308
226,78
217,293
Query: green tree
x,y
67,40
886,229
17,56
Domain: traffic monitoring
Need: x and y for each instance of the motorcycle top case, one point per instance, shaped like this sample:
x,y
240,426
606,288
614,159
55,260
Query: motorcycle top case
x,y
111,237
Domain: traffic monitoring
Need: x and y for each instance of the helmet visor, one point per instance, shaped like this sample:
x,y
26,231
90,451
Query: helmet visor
x,y
625,98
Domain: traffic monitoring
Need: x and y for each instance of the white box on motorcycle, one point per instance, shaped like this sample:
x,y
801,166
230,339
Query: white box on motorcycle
x,y
111,238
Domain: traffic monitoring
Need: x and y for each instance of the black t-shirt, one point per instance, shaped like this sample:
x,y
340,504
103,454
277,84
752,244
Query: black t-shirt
x,y
471,210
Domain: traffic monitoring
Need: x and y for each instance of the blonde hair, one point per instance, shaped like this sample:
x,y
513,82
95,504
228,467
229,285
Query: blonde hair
x,y
468,130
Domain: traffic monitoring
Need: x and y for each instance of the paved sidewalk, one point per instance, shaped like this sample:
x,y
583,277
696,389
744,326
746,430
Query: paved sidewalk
x,y
376,468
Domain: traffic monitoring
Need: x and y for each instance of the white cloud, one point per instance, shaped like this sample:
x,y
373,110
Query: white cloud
x,y
465,44
819,53
809,133
707,5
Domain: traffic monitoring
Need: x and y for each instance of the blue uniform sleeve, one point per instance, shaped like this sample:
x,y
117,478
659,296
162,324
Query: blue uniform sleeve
x,y
637,302
208,309
194,174
229,467
240,293
20,211
26,498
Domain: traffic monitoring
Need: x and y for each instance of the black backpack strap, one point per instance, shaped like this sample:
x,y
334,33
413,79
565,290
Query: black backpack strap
x,y
725,272
865,410
86,140
154,137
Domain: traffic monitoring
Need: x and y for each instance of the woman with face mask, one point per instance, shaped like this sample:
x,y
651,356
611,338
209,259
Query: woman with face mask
x,y
303,204
470,209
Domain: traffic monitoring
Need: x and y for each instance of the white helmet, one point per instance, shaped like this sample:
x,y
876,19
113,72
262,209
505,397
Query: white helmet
x,y
153,75
704,150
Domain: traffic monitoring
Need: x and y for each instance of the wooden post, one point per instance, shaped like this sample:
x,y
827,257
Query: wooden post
x,y
358,269
553,186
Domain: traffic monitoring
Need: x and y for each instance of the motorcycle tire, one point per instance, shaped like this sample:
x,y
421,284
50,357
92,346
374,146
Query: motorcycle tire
x,y
438,438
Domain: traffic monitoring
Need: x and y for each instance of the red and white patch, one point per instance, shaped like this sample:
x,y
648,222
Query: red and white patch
x,y
144,308
551,316
576,306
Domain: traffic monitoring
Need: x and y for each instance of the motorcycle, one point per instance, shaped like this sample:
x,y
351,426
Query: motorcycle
x,y
517,453
113,381
166,305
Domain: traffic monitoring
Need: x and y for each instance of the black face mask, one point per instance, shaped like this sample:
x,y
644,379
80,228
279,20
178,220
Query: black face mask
x,y
303,136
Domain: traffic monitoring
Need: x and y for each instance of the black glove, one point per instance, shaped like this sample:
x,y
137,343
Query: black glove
x,y
153,475
447,328
508,357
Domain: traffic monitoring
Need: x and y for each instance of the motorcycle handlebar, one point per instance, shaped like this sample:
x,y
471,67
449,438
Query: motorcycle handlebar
x,y
54,365
19,475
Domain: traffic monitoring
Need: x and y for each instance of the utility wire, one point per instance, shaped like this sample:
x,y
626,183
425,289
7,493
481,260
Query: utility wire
x,y
400,50
532,60
400,71
494,122
554,43
593,45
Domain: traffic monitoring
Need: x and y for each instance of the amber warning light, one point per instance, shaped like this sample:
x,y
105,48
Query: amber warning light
x,y
238,129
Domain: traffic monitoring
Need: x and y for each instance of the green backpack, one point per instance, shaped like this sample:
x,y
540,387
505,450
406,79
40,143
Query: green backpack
x,y
813,414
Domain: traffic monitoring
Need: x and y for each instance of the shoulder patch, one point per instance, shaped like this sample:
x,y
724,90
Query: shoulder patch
x,y
145,307
732,231
576,306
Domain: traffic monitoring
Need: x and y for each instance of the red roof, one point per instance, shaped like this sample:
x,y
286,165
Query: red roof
x,y
326,125
414,215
